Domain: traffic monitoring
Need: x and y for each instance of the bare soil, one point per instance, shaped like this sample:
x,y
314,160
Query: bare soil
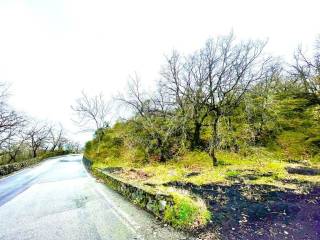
x,y
258,212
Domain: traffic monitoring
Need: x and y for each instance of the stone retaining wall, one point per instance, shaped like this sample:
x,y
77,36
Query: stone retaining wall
x,y
153,202
10,168
179,210
13,167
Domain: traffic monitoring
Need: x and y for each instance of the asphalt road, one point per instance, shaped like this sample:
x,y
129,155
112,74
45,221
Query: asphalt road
x,y
58,199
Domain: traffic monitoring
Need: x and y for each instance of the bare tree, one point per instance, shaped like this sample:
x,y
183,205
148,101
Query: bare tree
x,y
37,135
10,120
307,70
231,69
184,81
208,84
154,116
137,99
56,137
211,82
73,147
10,123
18,137
91,112
15,146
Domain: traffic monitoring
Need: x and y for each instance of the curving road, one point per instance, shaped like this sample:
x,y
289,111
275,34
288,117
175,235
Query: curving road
x,y
58,199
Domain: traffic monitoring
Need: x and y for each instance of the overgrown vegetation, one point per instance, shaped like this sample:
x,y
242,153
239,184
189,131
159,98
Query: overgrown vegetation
x,y
228,96
225,114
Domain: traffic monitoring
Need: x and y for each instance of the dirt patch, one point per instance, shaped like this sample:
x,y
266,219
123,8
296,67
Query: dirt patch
x,y
192,174
303,171
134,174
128,174
249,175
259,211
114,170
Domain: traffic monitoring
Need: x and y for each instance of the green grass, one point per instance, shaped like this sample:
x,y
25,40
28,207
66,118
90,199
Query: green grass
x,y
267,168
186,213
261,167
233,173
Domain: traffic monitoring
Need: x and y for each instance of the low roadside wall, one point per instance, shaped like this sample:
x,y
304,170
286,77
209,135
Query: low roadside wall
x,y
179,210
13,167
153,202
10,168
87,163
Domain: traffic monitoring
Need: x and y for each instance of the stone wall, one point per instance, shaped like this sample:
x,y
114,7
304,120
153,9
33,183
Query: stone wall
x,y
10,168
181,211
154,203
13,167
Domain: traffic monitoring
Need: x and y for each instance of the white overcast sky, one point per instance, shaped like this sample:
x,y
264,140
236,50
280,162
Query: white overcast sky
x,y
50,50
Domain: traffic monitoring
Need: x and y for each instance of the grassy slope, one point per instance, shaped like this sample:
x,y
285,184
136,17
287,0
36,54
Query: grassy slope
x,y
262,167
294,138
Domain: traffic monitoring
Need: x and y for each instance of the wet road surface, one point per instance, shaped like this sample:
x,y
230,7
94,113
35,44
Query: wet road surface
x,y
58,199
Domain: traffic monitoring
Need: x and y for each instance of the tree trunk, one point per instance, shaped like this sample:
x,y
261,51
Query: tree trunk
x,y
213,156
34,153
196,135
99,135
162,158
98,144
214,142
161,155
12,158
53,148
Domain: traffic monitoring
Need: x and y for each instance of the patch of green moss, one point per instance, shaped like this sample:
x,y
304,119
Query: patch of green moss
x,y
186,213
233,174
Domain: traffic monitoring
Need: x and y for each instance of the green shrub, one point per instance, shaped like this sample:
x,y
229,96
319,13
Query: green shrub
x,y
88,146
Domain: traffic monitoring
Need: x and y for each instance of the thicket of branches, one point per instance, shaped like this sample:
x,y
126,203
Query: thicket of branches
x,y
228,95
22,138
